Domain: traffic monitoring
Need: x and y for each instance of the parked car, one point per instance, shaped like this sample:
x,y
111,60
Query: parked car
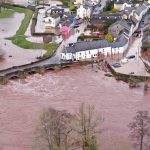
x,y
76,26
116,65
127,59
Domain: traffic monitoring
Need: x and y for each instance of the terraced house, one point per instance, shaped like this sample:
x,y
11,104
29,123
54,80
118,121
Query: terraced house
x,y
88,50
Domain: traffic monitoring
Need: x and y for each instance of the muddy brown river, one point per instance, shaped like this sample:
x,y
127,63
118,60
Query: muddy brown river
x,y
21,102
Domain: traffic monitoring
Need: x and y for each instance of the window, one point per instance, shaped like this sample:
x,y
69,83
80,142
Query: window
x,y
89,52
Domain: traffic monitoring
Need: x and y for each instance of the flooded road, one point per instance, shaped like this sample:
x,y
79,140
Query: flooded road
x,y
21,102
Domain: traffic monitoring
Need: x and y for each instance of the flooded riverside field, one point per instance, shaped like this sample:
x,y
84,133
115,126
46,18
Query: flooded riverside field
x,y
14,55
21,102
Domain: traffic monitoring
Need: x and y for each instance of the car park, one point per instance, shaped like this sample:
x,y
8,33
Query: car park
x,y
128,58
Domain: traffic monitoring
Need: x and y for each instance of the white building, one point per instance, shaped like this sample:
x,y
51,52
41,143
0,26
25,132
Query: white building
x,y
121,4
84,11
87,50
77,2
52,21
81,2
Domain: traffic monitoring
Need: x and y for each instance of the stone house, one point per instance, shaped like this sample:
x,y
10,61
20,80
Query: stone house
x,y
120,26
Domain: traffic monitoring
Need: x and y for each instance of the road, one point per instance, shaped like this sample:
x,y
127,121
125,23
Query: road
x,y
135,66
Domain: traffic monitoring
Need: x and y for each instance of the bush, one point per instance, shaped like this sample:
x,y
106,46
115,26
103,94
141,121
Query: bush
x,y
109,6
81,37
109,37
72,7
114,10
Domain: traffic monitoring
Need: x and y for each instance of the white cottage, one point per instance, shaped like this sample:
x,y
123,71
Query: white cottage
x,y
84,11
87,50
52,21
121,4
82,2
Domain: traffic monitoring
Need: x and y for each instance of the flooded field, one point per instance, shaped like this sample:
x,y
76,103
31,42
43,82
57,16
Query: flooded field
x,y
21,102
14,55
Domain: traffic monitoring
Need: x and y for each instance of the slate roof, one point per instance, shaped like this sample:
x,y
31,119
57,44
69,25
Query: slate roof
x,y
116,16
86,6
96,21
146,3
134,20
139,9
120,42
122,2
83,46
128,10
123,23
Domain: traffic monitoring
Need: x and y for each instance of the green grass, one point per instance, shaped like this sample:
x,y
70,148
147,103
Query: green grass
x,y
23,43
20,40
6,13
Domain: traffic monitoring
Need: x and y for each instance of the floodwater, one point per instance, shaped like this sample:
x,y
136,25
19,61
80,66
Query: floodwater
x,y
21,102
14,55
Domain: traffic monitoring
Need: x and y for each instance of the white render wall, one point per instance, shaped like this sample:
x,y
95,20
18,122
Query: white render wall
x,y
121,6
51,22
82,12
88,54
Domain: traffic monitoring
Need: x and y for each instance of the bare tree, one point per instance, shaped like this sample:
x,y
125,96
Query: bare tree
x,y
53,131
86,126
140,129
59,130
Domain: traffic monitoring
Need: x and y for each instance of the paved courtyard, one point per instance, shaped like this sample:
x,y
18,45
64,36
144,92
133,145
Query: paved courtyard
x,y
134,66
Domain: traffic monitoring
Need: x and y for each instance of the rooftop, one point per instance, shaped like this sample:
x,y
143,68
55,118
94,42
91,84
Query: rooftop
x,y
139,9
83,46
128,10
123,23
123,1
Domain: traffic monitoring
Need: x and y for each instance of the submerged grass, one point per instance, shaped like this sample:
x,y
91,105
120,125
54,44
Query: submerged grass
x,y
20,40
6,13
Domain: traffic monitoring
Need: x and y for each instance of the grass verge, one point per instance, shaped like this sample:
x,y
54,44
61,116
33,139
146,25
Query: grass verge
x,y
20,40
6,13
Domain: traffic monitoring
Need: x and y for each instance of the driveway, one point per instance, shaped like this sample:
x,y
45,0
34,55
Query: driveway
x,y
135,66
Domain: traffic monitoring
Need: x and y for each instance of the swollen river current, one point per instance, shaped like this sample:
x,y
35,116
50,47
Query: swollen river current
x,y
22,101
